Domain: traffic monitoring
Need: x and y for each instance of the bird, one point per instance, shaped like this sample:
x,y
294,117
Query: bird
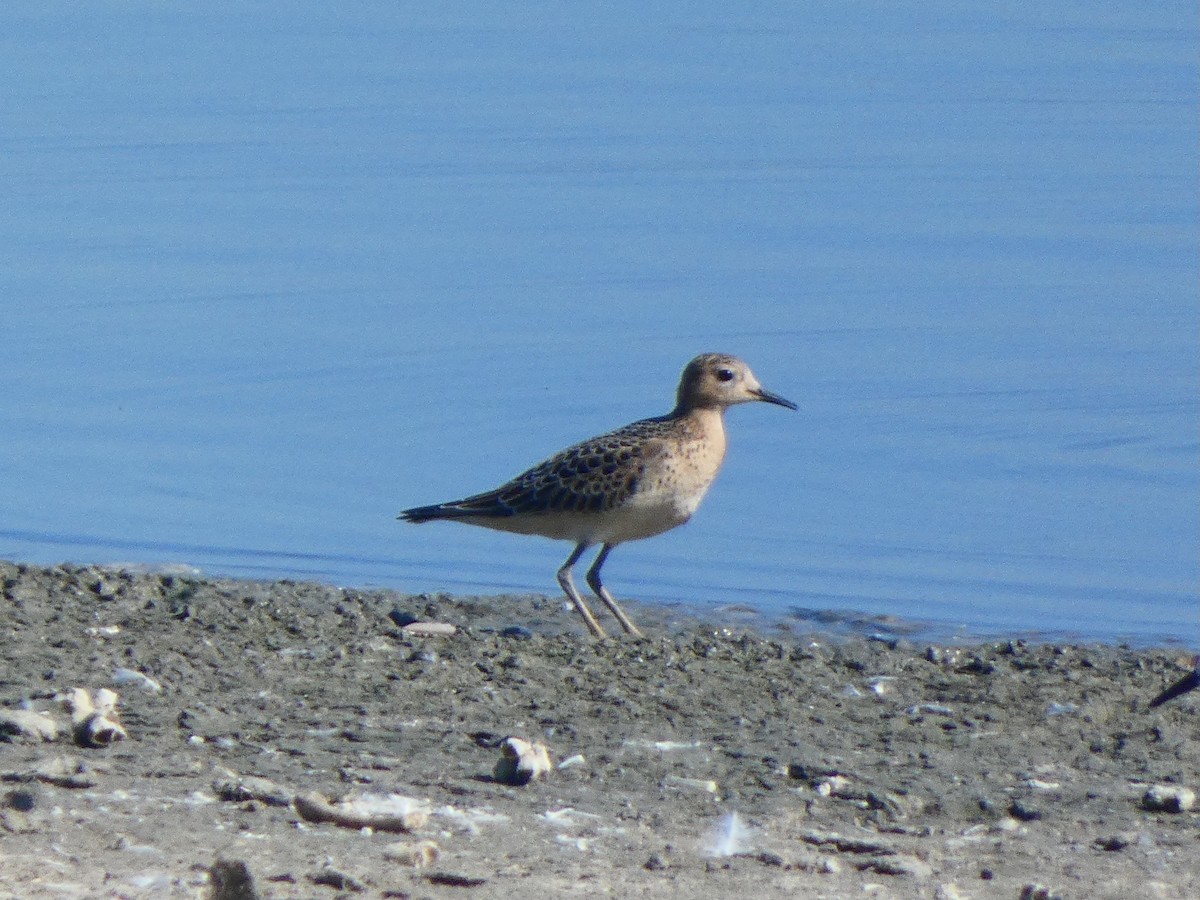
x,y
626,485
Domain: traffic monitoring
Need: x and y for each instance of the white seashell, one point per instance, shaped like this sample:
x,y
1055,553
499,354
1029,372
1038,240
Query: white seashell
x,y
834,784
391,812
429,629
1061,709
106,701
937,709
131,676
579,843
882,685
731,836
418,855
28,723
569,816
1038,785
700,784
470,819
670,746
1169,798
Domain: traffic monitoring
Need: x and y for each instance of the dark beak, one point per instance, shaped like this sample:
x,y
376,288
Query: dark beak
x,y
767,397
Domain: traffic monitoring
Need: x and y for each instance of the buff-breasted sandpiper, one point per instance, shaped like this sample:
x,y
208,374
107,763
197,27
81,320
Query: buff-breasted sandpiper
x,y
629,484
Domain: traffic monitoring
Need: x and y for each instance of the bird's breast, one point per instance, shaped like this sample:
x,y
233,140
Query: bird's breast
x,y
679,474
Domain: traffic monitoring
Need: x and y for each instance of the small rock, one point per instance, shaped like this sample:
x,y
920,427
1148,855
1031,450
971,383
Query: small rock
x,y
103,589
1169,798
401,617
230,879
454,879
339,881
1113,842
897,865
656,863
1023,811
1039,892
21,799
987,805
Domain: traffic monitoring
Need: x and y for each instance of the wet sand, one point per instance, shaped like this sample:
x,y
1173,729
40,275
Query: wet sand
x,y
706,760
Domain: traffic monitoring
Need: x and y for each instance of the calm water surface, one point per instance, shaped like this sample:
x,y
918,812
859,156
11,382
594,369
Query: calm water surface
x,y
267,278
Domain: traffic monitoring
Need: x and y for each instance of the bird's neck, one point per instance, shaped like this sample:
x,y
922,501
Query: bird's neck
x,y
703,423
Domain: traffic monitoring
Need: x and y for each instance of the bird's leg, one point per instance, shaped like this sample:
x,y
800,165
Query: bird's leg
x,y
593,580
564,579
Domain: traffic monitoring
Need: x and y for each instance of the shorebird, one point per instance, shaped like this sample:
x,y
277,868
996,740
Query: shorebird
x,y
628,484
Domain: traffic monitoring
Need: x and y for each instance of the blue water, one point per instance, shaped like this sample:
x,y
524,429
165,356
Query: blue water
x,y
270,274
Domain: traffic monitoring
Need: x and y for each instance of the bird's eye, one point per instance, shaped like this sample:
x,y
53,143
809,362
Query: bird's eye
x,y
724,374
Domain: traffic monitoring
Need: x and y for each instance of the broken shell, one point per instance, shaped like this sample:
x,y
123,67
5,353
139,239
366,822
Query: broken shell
x,y
393,812
429,629
239,788
131,676
521,761
1169,798
94,721
64,772
730,836
699,784
417,855
882,685
28,723
98,731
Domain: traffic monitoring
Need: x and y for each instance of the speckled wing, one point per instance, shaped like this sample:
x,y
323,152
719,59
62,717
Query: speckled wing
x,y
593,476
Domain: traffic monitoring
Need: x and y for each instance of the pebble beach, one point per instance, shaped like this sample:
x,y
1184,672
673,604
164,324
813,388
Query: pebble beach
x,y
297,740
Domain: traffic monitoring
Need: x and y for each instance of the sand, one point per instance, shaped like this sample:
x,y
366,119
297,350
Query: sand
x,y
707,760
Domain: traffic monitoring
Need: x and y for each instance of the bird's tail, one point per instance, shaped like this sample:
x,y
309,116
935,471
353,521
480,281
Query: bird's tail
x,y
420,514
459,509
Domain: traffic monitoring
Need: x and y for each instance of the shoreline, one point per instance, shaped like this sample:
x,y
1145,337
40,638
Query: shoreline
x,y
853,766
792,623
